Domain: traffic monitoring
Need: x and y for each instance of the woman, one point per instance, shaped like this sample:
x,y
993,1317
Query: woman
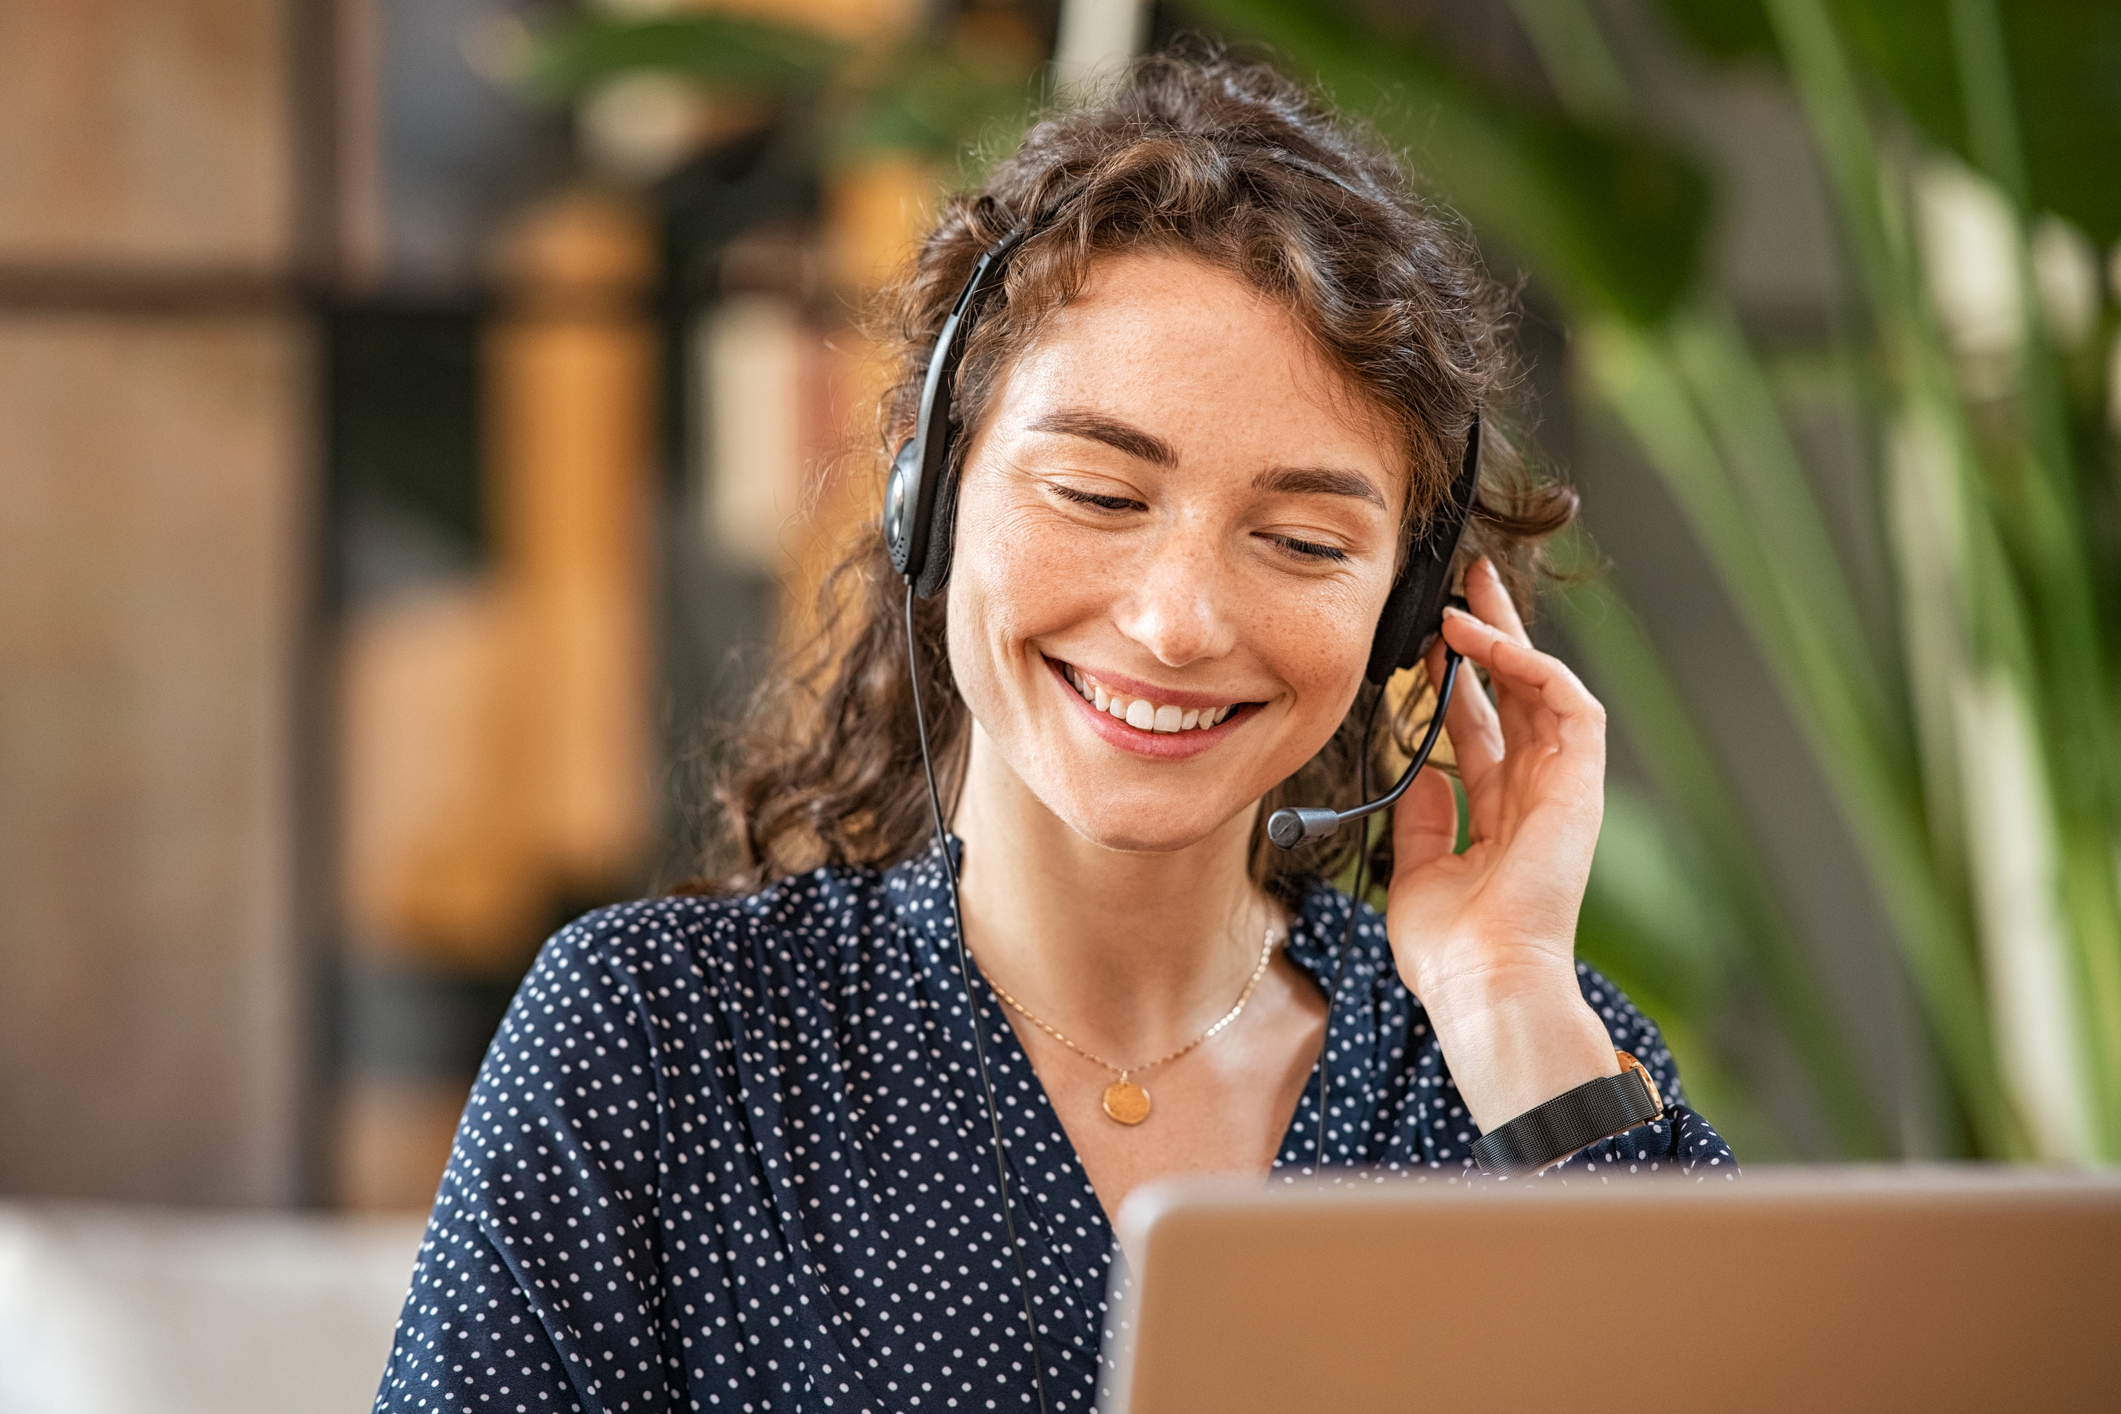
x,y
739,1149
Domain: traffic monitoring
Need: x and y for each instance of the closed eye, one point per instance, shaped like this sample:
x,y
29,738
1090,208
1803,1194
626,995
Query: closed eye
x,y
1103,503
1309,549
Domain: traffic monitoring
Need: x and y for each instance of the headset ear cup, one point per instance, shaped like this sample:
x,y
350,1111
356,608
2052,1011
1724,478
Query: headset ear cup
x,y
901,497
1413,611
934,570
919,543
1394,626
920,502
919,519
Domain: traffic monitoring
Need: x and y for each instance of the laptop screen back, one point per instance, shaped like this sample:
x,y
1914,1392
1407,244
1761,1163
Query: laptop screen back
x,y
1872,1289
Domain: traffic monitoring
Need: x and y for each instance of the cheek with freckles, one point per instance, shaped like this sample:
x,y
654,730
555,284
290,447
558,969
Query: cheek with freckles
x,y
1020,588
1012,583
1321,648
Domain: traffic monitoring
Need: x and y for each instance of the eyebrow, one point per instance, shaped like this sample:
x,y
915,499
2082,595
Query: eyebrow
x,y
1096,427
1320,481
1284,480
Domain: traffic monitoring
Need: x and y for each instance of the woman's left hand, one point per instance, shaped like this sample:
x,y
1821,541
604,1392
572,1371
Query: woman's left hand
x,y
1487,939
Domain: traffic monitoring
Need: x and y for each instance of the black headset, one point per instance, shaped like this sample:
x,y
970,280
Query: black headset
x,y
920,517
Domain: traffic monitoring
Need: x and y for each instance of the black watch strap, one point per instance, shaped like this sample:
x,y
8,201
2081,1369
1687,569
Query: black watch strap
x,y
1550,1132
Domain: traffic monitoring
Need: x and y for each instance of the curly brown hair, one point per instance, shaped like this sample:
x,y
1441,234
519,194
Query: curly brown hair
x,y
1227,163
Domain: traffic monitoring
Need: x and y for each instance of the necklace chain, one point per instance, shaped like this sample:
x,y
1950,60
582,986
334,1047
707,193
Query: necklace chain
x,y
1266,955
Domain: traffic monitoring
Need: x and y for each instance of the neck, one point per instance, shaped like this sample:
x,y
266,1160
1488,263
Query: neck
x,y
1129,953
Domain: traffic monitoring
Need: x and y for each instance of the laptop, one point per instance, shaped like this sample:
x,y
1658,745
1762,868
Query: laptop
x,y
1921,1288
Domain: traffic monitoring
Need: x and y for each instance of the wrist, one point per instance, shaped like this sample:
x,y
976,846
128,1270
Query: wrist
x,y
1461,987
1515,1038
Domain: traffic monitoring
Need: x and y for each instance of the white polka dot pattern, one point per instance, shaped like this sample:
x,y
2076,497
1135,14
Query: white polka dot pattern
x,y
732,1154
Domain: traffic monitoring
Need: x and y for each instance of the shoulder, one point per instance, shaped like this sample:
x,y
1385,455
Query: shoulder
x,y
637,994
803,916
656,960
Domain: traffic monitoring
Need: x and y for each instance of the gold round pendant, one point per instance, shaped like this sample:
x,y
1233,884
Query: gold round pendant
x,y
1126,1102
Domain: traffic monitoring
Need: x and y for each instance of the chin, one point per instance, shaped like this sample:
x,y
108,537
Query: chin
x,y
1128,823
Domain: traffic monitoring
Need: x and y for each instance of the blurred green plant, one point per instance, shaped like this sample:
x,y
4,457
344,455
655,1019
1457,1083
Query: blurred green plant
x,y
936,94
1973,752
1973,744
727,53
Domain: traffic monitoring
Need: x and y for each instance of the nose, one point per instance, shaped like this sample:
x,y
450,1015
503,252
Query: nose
x,y
1179,605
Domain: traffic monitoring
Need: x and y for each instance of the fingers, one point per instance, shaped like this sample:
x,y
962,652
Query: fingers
x,y
1476,732
1539,698
1425,822
1491,600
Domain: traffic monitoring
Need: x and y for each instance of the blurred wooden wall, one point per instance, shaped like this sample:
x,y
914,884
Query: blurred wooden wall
x,y
156,521
497,764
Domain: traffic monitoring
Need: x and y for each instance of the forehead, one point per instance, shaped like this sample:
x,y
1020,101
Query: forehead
x,y
1196,356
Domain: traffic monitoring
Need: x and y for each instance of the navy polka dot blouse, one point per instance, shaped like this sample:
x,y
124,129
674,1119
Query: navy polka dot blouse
x,y
732,1154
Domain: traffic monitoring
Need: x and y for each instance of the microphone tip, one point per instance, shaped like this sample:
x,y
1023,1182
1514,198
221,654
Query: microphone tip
x,y
1292,827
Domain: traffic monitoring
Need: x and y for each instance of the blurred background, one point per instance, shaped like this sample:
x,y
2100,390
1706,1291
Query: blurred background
x,y
420,420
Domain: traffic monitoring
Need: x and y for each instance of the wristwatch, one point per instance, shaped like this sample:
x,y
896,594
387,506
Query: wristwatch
x,y
1550,1132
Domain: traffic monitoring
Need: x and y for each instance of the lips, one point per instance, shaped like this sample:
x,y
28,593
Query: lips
x,y
1142,713
1148,716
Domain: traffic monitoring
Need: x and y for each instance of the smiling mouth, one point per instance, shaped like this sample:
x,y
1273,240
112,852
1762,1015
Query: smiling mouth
x,y
1141,713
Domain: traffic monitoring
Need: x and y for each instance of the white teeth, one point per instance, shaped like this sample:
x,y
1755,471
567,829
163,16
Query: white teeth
x,y
1142,714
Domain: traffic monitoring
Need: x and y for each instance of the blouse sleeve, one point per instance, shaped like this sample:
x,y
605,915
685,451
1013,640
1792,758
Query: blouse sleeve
x,y
539,1279
1681,1140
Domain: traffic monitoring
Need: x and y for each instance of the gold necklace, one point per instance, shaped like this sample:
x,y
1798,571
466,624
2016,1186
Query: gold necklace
x,y
1126,1101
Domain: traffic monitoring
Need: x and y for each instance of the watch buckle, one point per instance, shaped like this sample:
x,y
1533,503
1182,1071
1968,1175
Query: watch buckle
x,y
1649,1082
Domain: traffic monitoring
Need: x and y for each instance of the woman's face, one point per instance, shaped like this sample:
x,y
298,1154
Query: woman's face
x,y
1176,505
